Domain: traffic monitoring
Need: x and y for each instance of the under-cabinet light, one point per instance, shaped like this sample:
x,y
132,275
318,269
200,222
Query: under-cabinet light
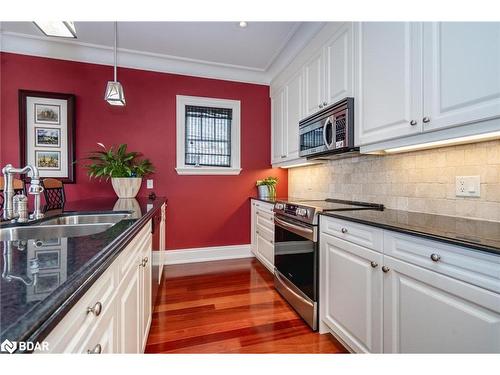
x,y
61,29
296,165
445,142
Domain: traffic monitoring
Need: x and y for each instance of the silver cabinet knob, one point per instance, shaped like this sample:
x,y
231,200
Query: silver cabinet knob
x,y
325,104
426,119
413,123
374,264
97,350
96,309
435,257
271,219
385,269
144,261
257,212
320,106
343,230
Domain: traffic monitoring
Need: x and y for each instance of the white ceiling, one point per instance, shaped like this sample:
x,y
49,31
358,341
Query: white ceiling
x,y
224,47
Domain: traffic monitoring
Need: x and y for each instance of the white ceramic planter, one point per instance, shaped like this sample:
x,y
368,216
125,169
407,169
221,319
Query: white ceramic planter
x,y
126,187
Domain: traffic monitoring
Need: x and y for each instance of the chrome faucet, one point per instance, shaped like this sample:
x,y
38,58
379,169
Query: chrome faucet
x,y
35,189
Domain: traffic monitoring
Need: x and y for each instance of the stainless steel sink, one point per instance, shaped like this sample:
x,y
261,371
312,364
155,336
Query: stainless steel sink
x,y
46,232
105,218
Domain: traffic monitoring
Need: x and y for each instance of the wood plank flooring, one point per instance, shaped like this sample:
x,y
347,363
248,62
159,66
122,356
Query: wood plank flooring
x,y
228,307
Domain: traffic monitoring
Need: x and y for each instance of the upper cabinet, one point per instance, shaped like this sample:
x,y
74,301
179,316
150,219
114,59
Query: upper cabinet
x,y
415,78
325,78
338,56
461,73
388,97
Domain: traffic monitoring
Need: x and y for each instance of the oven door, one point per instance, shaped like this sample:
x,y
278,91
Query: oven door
x,y
296,255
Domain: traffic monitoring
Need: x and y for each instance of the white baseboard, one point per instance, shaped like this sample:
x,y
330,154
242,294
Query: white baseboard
x,y
207,254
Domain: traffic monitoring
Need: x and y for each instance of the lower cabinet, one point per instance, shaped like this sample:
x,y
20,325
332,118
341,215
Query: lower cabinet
x,y
114,315
351,301
377,303
262,232
425,312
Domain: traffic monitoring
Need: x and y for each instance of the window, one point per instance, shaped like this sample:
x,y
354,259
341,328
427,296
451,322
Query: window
x,y
208,135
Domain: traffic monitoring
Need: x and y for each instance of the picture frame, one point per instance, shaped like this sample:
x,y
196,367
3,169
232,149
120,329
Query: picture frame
x,y
47,133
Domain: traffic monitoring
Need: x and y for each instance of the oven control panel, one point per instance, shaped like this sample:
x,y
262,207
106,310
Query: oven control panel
x,y
302,213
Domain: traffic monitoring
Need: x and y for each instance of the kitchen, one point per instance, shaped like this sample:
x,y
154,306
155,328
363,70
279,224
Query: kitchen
x,y
374,226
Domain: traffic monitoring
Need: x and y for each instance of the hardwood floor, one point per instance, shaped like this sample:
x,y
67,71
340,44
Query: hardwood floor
x,y
228,307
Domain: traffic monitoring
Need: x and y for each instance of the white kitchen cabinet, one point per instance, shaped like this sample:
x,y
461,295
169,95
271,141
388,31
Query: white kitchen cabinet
x,y
314,82
278,131
388,90
262,232
351,293
426,312
339,65
461,73
294,113
114,315
419,295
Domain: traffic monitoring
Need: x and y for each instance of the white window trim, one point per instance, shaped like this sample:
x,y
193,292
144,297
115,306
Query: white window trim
x,y
184,169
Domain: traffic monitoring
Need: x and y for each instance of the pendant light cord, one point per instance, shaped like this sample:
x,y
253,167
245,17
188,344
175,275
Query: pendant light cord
x,y
116,31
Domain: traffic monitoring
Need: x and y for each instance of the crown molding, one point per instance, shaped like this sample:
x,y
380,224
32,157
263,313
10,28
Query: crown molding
x,y
98,54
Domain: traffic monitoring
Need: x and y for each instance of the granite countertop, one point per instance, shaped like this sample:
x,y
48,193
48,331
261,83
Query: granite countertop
x,y
67,267
475,234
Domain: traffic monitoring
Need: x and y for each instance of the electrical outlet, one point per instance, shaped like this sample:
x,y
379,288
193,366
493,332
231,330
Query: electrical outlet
x,y
149,184
468,186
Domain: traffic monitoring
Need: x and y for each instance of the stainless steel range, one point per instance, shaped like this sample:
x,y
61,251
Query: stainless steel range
x,y
296,250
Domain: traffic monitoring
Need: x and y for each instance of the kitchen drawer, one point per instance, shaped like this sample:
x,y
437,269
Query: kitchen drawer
x,y
363,235
471,266
266,251
265,232
127,258
78,322
265,219
267,207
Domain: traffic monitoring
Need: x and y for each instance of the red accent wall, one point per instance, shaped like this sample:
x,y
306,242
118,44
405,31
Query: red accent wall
x,y
202,210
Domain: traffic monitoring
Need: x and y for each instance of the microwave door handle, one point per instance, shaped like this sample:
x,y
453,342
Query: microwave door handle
x,y
334,133
324,133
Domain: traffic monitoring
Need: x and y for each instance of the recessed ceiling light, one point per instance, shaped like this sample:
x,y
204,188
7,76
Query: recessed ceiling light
x,y
62,29
243,24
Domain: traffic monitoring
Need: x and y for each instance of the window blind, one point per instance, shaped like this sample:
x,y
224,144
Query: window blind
x,y
208,136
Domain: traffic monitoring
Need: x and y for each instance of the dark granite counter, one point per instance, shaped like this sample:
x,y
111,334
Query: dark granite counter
x,y
67,267
274,200
474,234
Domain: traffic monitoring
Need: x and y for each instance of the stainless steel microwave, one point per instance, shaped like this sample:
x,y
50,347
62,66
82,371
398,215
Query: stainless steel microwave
x,y
328,132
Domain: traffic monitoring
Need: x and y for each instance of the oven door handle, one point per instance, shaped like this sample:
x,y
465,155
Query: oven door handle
x,y
297,229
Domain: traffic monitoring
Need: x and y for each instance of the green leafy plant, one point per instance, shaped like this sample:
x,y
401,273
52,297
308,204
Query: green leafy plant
x,y
108,163
270,182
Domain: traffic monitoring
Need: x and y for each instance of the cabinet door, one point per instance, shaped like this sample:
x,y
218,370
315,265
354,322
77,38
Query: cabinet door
x,y
295,111
313,82
129,311
265,251
388,97
339,65
461,73
351,293
145,291
278,121
425,312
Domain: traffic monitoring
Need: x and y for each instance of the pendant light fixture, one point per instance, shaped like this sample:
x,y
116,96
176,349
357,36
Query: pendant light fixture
x,y
114,90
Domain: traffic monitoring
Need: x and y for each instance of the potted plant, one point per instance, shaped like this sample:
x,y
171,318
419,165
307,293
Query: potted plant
x,y
124,168
267,187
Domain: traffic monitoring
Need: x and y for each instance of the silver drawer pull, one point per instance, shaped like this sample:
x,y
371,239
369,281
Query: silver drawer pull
x,y
426,119
374,264
271,219
413,123
435,257
257,212
385,269
97,350
343,230
96,309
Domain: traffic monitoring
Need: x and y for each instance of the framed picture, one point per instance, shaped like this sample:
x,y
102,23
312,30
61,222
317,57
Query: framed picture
x,y
47,137
47,133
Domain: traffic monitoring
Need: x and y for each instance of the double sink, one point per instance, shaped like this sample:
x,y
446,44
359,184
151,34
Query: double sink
x,y
65,226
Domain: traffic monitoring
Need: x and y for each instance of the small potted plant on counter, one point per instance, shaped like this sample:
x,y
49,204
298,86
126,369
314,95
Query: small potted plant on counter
x,y
267,187
124,168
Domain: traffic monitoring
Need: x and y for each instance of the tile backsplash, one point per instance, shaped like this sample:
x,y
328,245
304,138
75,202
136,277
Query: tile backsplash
x,y
420,181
